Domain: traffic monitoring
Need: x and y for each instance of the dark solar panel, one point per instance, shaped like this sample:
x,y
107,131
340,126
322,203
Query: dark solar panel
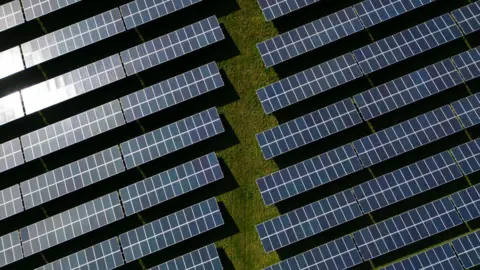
x,y
203,258
468,249
468,17
11,15
467,202
10,155
37,8
273,9
468,156
10,202
468,63
468,110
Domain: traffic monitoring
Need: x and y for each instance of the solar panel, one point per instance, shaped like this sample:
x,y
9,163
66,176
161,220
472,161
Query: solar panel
x,y
309,220
308,83
407,89
406,228
203,258
73,37
309,37
10,248
170,184
10,202
468,110
372,12
171,229
468,63
407,182
338,254
468,249
71,224
11,15
308,128
37,8
10,155
72,130
139,12
11,62
105,256
172,137
406,136
308,174
407,43
467,202
11,108
273,9
171,92
441,257
468,156
72,177
468,17
172,45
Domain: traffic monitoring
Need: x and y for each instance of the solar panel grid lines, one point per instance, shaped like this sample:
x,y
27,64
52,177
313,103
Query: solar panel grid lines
x,y
70,224
468,63
273,9
73,37
11,108
308,128
468,249
11,15
407,89
467,202
339,254
203,258
172,137
36,8
407,182
10,202
171,229
72,84
406,228
308,220
10,248
171,183
11,62
308,174
468,17
11,155
171,92
468,110
407,43
72,130
441,257
72,177
172,45
406,136
139,12
308,83
309,37
467,156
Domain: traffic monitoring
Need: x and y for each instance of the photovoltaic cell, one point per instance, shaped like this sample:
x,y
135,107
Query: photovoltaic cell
x,y
468,110
171,138
71,224
406,228
171,92
170,230
37,8
408,89
72,84
72,130
309,37
468,17
72,177
10,248
11,62
308,83
406,182
139,12
468,63
467,202
468,249
172,45
170,184
273,9
308,174
11,108
309,220
406,136
203,258
11,15
338,254
442,257
407,43
308,128
468,156
10,202
10,155
103,256
73,37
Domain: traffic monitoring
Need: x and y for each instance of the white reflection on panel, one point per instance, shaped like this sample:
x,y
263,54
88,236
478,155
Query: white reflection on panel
x,y
11,108
10,62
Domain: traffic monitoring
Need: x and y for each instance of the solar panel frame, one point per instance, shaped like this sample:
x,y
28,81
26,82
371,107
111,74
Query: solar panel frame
x,y
467,202
308,128
202,258
171,92
468,17
11,15
278,8
10,248
467,156
10,202
468,110
11,62
11,108
468,63
36,8
468,249
11,155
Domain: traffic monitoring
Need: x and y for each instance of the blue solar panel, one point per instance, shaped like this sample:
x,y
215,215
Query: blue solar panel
x,y
408,89
308,220
308,174
308,83
406,182
407,43
338,254
308,128
273,9
467,202
468,156
468,249
468,17
203,258
407,136
468,110
468,63
406,228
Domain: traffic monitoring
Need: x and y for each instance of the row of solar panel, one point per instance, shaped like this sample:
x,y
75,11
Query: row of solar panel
x,y
370,58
